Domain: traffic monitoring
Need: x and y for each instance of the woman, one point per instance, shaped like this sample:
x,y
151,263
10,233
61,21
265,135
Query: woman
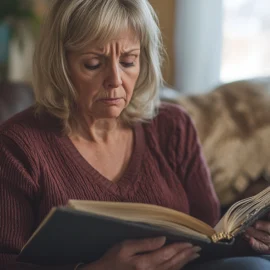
x,y
98,132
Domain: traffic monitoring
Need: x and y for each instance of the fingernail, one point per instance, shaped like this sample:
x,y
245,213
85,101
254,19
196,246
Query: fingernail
x,y
160,239
187,245
197,249
195,256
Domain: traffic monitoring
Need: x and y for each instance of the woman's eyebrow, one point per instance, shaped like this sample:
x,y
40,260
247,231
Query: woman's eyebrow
x,y
130,51
95,53
104,54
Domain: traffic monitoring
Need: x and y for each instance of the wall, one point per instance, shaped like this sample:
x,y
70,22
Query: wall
x,y
165,10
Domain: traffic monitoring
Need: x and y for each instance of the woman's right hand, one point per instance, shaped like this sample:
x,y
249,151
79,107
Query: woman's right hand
x,y
146,254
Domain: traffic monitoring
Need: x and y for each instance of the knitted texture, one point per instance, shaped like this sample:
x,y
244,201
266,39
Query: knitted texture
x,y
41,168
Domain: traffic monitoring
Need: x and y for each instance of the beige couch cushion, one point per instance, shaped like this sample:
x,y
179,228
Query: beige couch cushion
x,y
233,123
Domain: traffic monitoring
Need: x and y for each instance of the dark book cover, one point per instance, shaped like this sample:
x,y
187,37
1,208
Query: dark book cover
x,y
70,236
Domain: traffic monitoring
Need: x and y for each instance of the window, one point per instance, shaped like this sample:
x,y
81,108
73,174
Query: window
x,y
246,39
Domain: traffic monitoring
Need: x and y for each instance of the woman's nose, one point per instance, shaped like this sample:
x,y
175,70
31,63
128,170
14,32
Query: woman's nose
x,y
113,78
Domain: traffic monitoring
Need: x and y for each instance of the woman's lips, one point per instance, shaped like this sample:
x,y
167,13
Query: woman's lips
x,y
110,101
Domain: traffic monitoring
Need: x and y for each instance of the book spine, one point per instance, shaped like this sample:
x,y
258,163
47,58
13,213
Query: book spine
x,y
221,236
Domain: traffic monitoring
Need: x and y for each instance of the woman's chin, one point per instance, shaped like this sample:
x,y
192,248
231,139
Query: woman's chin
x,y
109,113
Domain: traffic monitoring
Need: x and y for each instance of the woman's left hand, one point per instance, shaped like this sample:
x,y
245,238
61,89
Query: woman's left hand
x,y
258,236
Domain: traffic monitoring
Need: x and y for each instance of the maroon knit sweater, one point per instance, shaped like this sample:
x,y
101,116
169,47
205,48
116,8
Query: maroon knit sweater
x,y
40,168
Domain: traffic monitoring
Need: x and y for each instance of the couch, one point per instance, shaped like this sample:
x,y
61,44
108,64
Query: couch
x,y
233,124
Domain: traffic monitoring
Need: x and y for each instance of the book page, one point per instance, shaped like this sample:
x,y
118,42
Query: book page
x,y
241,212
146,213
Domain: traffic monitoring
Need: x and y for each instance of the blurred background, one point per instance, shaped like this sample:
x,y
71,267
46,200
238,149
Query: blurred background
x,y
20,21
217,68
208,41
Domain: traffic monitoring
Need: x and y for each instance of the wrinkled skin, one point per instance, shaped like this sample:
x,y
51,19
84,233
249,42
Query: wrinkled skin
x,y
145,254
258,236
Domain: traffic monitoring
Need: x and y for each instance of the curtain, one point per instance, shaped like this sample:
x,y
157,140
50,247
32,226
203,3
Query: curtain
x,y
198,44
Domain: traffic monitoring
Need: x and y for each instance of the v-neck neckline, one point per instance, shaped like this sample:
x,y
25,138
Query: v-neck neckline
x,y
130,174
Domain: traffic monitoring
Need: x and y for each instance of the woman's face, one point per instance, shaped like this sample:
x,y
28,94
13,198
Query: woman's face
x,y
105,77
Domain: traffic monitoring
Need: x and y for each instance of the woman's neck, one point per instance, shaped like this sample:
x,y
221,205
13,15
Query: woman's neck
x,y
99,130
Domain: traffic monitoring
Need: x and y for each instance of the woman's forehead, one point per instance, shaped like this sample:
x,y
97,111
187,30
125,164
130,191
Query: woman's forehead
x,y
125,40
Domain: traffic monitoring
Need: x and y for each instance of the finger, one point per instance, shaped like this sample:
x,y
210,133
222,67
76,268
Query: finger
x,y
182,258
132,247
259,246
259,235
162,255
263,226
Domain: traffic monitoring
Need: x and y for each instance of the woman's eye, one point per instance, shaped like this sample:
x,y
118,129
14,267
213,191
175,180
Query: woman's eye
x,y
127,64
92,67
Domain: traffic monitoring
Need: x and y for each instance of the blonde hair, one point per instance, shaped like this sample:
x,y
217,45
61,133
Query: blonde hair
x,y
72,25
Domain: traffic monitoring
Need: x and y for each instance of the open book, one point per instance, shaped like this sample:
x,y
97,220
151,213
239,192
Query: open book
x,y
87,227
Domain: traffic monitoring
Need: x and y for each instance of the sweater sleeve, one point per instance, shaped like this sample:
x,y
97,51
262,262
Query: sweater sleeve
x,y
195,175
18,195
183,151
